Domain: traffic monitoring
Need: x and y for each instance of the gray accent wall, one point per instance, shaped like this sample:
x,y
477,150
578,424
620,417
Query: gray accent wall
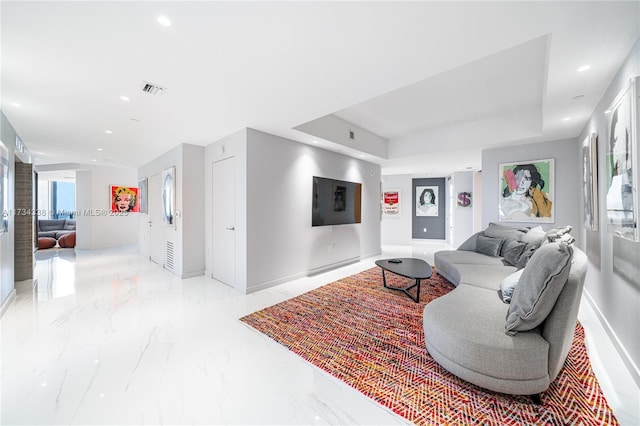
x,y
429,227
612,283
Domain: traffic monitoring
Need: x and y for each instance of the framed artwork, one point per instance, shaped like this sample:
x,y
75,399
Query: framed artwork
x,y
391,202
169,196
124,199
527,191
142,195
463,200
427,201
590,181
4,186
622,163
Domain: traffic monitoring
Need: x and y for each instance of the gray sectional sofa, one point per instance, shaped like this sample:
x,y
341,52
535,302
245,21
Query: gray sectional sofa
x,y
517,347
55,228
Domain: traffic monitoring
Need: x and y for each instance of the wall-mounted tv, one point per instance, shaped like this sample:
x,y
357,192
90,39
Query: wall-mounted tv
x,y
335,202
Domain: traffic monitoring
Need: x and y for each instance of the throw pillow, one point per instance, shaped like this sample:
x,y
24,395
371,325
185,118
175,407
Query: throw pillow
x,y
513,251
534,235
488,245
508,285
528,251
470,243
507,233
539,287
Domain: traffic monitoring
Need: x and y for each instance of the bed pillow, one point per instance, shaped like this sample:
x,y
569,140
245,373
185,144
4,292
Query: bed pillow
x,y
489,245
539,287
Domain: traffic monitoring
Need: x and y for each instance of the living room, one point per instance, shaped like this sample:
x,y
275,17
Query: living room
x,y
273,174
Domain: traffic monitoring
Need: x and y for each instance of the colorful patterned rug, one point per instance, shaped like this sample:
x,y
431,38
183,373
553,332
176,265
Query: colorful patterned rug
x,y
372,339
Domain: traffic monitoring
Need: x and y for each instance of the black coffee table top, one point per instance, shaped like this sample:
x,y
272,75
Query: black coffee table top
x,y
409,267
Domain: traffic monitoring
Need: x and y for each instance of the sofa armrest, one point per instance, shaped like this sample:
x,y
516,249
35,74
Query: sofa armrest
x,y
470,243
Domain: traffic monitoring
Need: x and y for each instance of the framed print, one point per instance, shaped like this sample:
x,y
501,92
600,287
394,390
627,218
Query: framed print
x,y
590,181
463,200
124,199
169,196
527,191
391,202
622,163
4,186
142,195
427,201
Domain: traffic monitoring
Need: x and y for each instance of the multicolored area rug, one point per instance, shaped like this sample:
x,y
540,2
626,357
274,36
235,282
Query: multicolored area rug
x,y
372,339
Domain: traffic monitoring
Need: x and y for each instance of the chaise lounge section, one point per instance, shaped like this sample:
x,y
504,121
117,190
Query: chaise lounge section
x,y
517,348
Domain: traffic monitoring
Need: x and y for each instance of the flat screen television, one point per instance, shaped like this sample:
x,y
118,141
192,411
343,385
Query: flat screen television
x,y
335,202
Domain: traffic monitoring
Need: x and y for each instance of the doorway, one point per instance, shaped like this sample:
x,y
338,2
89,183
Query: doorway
x,y
223,217
156,229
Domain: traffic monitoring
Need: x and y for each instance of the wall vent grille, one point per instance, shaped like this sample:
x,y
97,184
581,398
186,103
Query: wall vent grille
x,y
152,88
169,263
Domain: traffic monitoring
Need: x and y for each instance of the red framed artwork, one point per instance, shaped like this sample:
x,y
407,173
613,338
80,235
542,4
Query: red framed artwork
x,y
124,199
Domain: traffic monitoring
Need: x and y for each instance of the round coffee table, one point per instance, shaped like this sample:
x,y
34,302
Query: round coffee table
x,y
416,269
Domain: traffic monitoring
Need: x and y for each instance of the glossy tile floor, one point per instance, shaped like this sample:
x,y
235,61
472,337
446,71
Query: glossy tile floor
x,y
108,337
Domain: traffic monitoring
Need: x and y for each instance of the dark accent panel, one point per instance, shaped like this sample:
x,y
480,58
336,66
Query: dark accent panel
x,y
435,225
23,222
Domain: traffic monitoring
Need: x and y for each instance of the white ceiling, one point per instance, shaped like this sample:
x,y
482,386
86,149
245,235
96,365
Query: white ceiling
x,y
439,80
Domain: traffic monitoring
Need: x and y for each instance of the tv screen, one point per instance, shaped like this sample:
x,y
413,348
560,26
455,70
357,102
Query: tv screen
x,y
335,202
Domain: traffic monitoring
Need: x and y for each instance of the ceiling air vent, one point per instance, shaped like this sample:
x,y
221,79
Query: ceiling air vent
x,y
153,89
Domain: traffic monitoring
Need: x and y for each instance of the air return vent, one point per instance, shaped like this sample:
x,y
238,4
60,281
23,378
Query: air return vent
x,y
169,257
153,89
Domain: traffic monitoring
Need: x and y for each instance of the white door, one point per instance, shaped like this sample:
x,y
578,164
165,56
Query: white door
x,y
156,227
223,219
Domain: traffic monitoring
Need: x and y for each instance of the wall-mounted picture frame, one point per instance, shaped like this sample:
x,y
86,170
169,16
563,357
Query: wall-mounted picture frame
x,y
142,195
391,202
427,200
463,200
4,187
590,181
527,191
124,199
622,173
169,196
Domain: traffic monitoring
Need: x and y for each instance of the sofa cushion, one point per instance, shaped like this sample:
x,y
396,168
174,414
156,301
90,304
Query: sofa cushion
x,y
46,243
508,285
534,236
524,258
69,225
447,261
50,224
467,325
68,240
489,246
507,233
513,251
484,276
539,287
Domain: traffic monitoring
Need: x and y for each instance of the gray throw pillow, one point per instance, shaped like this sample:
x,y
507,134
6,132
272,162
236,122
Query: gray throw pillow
x,y
507,233
511,251
470,243
539,287
488,245
528,251
534,235
508,285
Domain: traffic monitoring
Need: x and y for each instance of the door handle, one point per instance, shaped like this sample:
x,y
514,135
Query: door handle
x,y
230,228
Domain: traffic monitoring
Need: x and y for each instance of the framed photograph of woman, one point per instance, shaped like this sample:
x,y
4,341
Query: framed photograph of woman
x,y
621,162
427,201
590,181
527,191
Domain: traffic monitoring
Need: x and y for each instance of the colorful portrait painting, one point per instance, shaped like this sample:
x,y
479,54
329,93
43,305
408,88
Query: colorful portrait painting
x,y
391,202
527,191
124,199
427,201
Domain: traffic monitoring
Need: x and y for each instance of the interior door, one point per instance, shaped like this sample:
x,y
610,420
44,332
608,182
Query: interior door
x,y
223,219
156,227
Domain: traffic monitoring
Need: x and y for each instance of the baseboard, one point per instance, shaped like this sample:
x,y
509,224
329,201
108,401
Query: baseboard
x,y
634,371
192,274
7,302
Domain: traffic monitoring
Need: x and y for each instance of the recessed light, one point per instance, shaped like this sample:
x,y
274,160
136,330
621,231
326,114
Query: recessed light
x,y
566,119
164,21
99,149
315,142
94,160
584,68
108,132
125,98
16,104
608,111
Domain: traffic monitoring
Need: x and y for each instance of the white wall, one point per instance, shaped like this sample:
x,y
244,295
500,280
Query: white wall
x,y
568,181
397,229
281,243
7,239
187,236
613,279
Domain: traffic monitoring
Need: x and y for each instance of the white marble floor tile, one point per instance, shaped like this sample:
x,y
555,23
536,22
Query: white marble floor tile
x,y
108,337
